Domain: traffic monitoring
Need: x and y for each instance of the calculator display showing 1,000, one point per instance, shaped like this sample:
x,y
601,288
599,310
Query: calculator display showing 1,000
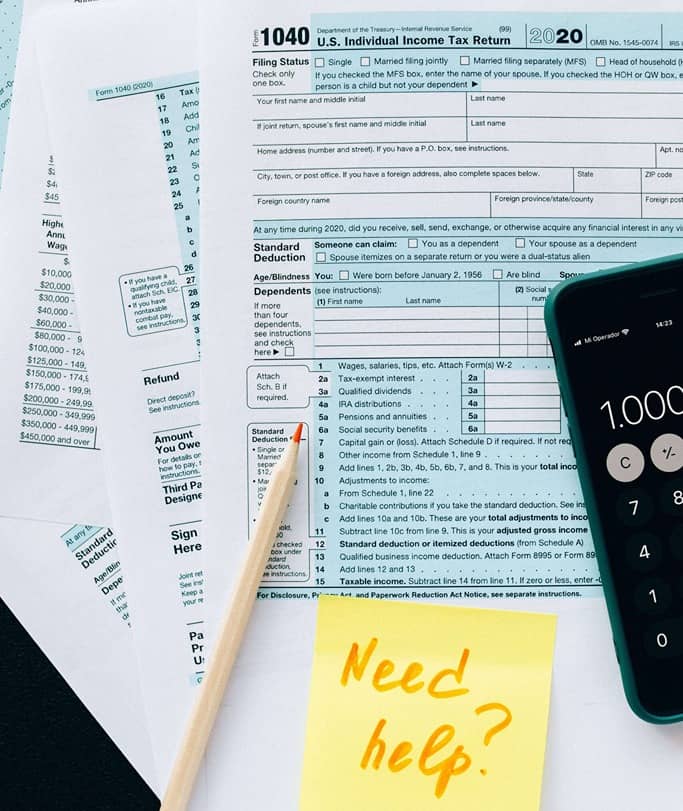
x,y
616,336
654,405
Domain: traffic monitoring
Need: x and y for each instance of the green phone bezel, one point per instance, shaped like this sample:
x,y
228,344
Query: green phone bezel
x,y
623,658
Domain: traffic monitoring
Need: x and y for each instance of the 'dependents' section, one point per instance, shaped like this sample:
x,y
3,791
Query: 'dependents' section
x,y
420,183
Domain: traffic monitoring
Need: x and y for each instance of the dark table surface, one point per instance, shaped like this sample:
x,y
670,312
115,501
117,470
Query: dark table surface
x,y
54,756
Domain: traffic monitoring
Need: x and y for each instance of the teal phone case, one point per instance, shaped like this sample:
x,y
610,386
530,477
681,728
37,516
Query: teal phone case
x,y
578,443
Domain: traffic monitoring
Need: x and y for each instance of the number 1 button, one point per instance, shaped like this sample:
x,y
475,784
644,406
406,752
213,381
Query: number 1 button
x,y
653,596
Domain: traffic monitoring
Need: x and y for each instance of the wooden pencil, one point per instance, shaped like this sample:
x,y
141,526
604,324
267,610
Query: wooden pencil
x,y
231,630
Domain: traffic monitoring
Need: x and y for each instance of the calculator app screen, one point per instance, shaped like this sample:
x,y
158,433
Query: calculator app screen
x,y
623,344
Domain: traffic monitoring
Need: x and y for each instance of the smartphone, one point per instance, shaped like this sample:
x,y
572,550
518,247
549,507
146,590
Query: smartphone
x,y
617,340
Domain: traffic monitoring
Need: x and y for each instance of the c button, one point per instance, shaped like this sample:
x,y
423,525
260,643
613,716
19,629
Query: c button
x,y
625,462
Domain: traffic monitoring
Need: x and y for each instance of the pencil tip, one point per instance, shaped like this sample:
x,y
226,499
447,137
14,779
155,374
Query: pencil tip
x,y
296,437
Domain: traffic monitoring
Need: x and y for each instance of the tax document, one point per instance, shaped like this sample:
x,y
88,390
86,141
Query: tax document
x,y
416,186
92,649
10,28
405,189
123,103
53,474
45,585
47,420
64,582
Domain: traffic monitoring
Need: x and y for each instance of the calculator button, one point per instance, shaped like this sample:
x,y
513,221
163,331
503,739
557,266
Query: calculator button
x,y
634,507
644,551
666,453
664,639
625,462
676,542
671,497
653,596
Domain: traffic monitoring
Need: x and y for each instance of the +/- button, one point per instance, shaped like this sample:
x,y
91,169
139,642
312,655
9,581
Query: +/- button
x,y
666,453
625,462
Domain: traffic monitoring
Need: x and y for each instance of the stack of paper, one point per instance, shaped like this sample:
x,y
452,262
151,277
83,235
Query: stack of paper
x,y
387,195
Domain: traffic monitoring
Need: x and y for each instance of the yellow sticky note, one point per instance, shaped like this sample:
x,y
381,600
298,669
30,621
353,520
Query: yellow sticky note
x,y
416,706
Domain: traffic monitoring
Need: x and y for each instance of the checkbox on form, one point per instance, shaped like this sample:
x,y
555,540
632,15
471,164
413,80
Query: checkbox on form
x,y
497,274
319,62
365,61
412,243
343,275
321,256
600,61
520,242
464,60
289,351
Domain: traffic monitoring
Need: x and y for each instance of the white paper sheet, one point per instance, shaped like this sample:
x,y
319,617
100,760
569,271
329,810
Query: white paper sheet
x,y
54,572
55,480
315,149
45,589
122,98
47,420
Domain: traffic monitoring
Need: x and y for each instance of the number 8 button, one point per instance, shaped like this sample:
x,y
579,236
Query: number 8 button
x,y
671,497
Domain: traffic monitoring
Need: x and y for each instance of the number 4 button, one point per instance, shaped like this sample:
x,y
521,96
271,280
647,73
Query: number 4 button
x,y
644,551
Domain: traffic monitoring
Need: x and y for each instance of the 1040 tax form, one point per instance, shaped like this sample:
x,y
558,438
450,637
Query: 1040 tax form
x,y
405,188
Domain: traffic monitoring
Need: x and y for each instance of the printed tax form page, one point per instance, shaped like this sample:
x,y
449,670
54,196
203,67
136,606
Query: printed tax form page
x,y
47,419
405,189
125,133
63,581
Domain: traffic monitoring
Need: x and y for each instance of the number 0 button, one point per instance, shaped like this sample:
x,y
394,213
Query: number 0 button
x,y
664,639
